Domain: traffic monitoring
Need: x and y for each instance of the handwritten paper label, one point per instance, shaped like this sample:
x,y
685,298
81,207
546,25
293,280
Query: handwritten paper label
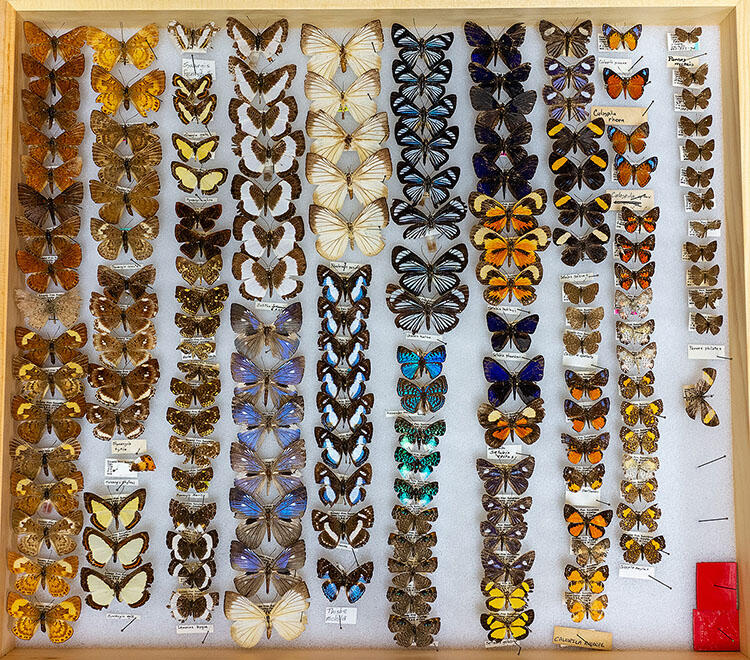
x,y
428,338
688,61
506,641
123,617
195,199
194,67
617,64
114,467
635,572
507,355
583,498
402,413
344,267
578,278
128,446
596,640
674,45
194,628
507,310
679,105
580,360
121,484
344,616
706,351
619,115
507,454
638,200
269,306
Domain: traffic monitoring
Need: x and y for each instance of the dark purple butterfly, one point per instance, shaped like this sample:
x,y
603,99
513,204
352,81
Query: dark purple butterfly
x,y
521,384
488,49
509,82
517,333
514,179
511,145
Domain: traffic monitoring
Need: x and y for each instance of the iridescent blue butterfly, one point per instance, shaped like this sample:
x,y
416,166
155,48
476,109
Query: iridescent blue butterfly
x,y
417,186
410,495
256,569
351,448
281,518
350,489
429,85
487,48
415,363
337,384
419,150
411,466
510,82
514,179
418,224
336,578
430,49
344,289
278,382
521,383
257,473
418,118
418,398
282,422
517,333
575,75
280,336
337,413
418,437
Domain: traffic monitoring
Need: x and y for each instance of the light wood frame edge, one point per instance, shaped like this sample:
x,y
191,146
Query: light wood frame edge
x,y
734,19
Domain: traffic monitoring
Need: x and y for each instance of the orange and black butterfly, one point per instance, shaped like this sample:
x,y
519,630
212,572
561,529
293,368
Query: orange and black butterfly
x,y
627,251
634,223
502,286
638,173
520,250
39,176
580,524
586,384
41,272
634,141
631,86
576,480
592,580
594,416
520,216
590,449
627,279
500,426
627,39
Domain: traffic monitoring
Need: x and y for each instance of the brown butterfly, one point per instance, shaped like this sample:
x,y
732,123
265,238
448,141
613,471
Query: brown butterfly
x,y
687,77
201,112
577,479
49,575
707,323
138,50
205,245
632,491
693,101
197,350
199,480
67,46
193,218
197,326
60,176
696,253
39,145
37,309
701,229
632,386
143,93
63,111
54,240
584,318
57,461
196,299
36,418
580,294
701,152
113,166
32,532
61,494
115,284
707,298
201,422
37,208
699,178
112,134
700,127
109,316
37,381
586,344
685,37
700,201
631,333
630,518
114,201
60,271
58,81
199,371
112,386
136,349
108,422
186,395
135,240
185,515
198,452
207,272
695,398
699,277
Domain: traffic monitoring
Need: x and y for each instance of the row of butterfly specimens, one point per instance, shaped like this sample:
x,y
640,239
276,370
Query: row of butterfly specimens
x,y
195,384
48,369
510,240
268,496
348,167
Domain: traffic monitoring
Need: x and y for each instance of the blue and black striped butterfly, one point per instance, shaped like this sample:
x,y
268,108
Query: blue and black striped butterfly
x,y
418,118
522,383
422,149
430,49
420,398
444,221
429,85
436,186
439,275
416,363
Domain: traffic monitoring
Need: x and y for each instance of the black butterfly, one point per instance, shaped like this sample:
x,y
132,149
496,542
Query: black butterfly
x,y
494,83
429,85
438,275
583,139
517,333
418,149
514,179
351,448
443,221
575,75
568,107
571,43
440,314
418,118
507,569
497,478
492,112
487,49
571,210
570,175
510,145
430,49
417,186
575,249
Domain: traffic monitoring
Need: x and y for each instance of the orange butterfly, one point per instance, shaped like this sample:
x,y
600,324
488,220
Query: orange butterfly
x,y
61,271
639,173
40,177
634,141
503,286
63,111
138,50
626,250
634,222
55,239
628,86
520,215
39,145
52,619
521,250
626,278
58,80
143,93
67,45
581,525
615,38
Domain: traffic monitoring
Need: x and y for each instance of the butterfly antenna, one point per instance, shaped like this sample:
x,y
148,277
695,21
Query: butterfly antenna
x,y
354,554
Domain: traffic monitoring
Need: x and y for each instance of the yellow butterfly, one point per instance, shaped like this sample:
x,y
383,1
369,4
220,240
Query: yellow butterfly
x,y
138,50
201,150
52,619
511,626
366,182
206,182
143,94
50,576
201,112
358,98
331,140
335,233
131,588
360,51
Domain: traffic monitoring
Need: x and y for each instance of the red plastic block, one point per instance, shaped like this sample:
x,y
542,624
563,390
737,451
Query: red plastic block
x,y
716,585
716,630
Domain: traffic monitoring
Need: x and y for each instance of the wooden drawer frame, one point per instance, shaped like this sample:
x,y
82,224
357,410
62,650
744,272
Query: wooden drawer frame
x,y
733,19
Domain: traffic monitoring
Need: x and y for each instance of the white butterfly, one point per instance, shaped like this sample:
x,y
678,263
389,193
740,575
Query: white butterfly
x,y
366,182
273,122
258,280
251,45
336,233
287,616
267,86
193,38
131,589
269,158
331,140
632,308
638,361
276,200
102,549
358,98
360,51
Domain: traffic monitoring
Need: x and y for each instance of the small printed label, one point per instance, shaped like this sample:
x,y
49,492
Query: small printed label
x,y
617,64
402,413
602,43
121,484
194,628
506,641
194,67
578,278
683,172
48,258
506,355
114,467
269,306
128,446
196,199
581,360
506,454
674,45
706,351
123,617
507,310
596,640
428,338
688,61
638,200
635,572
615,115
198,135
128,266
344,267
344,616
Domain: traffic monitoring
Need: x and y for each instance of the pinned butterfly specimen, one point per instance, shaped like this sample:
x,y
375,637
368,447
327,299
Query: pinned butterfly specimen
x,y
634,334
57,461
569,174
522,384
589,385
510,145
412,557
641,278
514,180
36,418
32,532
589,449
256,46
193,574
52,619
695,399
688,77
700,201
336,578
636,223
492,113
520,250
439,274
522,424
498,477
413,632
62,112
418,150
408,600
411,466
699,128
35,382
648,549
268,159
138,50
583,139
501,596
115,284
639,468
594,416
630,518
39,176
264,87
201,243
698,178
688,36
415,363
282,422
55,81
580,294
66,46
273,122
37,309
582,344
582,580
276,383
122,510
357,99
186,515
287,615
200,181
638,173
112,386
192,38
59,495
196,451
580,318
194,300
590,246
489,49
633,308
429,85
503,286
627,251
114,200
61,271
570,43
331,140
130,589
627,39
143,94
135,350
503,539
568,107
640,441
518,333
579,524
511,82
275,200
628,86
642,490
420,119
358,53
419,438
505,569
699,152
696,102
335,233
191,88
200,111
415,495
578,480
581,609
421,399
440,314
636,361
634,141
596,553
50,576
280,337
108,316
127,422
430,49
201,151
190,543
257,569
201,422
102,549
352,530
259,242
198,606
281,518
257,473
575,75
